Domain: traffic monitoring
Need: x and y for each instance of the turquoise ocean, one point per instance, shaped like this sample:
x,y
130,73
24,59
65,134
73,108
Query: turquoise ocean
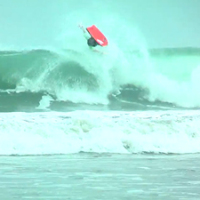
x,y
75,124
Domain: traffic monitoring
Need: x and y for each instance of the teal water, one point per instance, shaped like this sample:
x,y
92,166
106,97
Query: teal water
x,y
93,176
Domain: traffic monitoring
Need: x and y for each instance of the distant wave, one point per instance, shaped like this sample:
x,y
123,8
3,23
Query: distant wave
x,y
175,51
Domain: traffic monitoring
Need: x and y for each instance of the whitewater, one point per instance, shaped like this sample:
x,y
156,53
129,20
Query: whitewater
x,y
100,132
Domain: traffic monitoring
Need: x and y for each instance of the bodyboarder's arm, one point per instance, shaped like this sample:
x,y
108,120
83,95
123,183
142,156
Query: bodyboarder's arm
x,y
84,32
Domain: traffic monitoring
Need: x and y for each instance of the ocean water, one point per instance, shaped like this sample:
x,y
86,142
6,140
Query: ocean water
x,y
75,124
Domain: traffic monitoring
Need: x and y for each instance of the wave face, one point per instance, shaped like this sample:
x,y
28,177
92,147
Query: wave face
x,y
133,80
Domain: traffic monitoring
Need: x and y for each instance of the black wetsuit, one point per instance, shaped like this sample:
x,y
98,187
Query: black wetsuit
x,y
91,42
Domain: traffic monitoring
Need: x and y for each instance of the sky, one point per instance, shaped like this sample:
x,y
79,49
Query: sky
x,y
162,23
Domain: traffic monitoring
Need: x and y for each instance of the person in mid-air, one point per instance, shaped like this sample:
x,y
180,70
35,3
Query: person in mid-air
x,y
90,40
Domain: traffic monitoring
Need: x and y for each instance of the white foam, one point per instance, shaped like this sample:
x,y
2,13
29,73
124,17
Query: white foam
x,y
45,102
92,131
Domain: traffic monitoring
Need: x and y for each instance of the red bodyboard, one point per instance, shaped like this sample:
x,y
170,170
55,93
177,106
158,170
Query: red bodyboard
x,y
97,35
